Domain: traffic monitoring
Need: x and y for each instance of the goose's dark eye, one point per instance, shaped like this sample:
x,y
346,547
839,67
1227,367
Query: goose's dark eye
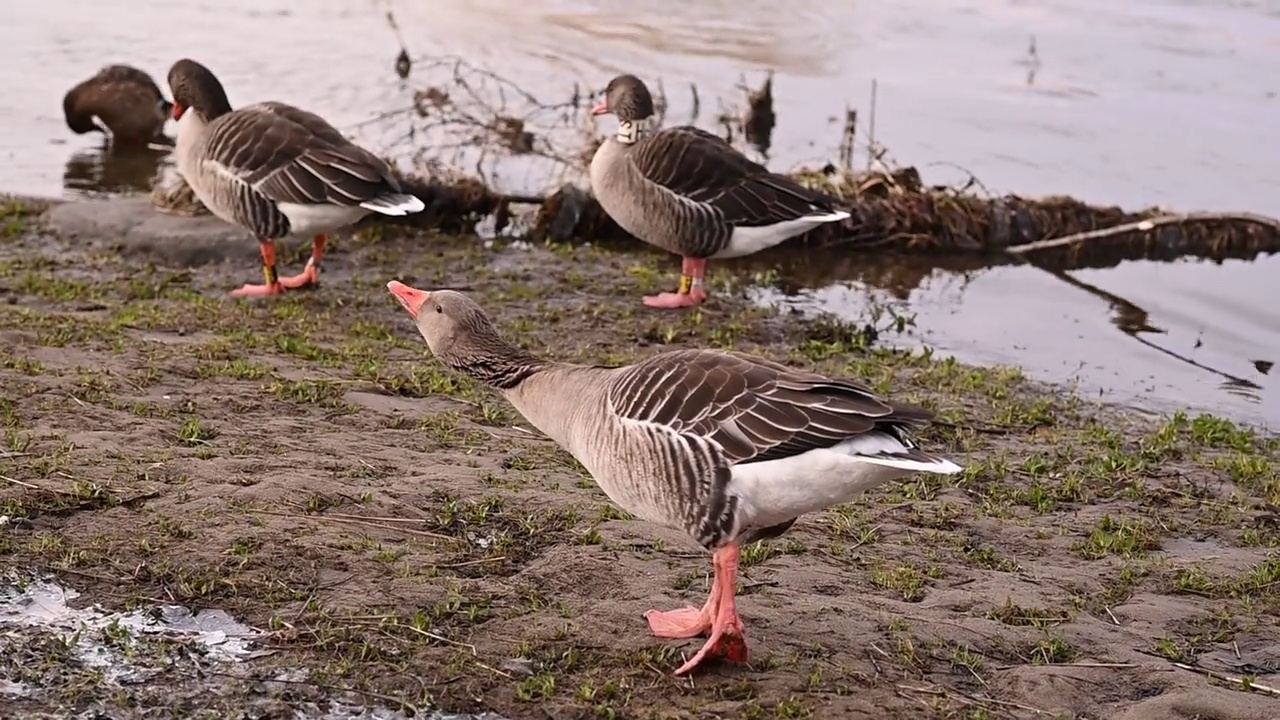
x,y
439,309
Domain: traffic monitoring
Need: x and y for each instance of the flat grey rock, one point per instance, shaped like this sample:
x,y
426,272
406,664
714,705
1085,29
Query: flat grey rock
x,y
137,230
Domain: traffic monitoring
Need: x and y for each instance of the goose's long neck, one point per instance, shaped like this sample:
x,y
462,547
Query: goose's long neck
x,y
562,401
497,363
191,130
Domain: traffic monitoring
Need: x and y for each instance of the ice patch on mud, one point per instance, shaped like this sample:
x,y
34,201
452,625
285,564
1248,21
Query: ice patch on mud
x,y
125,649
98,638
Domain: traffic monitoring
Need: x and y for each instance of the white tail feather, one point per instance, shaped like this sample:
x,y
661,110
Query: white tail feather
x,y
939,466
748,240
836,216
395,204
773,491
879,448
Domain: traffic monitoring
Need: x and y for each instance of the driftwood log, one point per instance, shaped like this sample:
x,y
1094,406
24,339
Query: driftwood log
x,y
895,213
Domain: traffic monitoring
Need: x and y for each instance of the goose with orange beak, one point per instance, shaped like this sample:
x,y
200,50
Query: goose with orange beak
x,y
728,447
276,171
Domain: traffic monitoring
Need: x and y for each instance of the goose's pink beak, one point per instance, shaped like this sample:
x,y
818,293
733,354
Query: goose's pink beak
x,y
178,109
410,298
601,108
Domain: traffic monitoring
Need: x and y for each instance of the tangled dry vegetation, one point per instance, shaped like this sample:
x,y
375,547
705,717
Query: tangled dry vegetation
x,y
402,540
485,149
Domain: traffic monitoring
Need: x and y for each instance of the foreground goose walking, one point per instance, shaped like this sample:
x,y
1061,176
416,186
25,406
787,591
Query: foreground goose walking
x,y
276,171
691,193
728,447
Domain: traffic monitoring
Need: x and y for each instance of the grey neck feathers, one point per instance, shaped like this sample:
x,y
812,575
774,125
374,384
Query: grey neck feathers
x,y
494,362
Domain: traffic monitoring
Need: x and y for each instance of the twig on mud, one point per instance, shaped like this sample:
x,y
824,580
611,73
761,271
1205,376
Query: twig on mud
x,y
345,516
6,478
1144,226
351,521
7,454
971,699
1245,683
1127,666
950,623
441,638
495,671
481,561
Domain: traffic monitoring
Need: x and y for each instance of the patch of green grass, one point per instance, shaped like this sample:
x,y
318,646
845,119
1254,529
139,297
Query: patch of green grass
x,y
1010,613
323,393
194,433
1051,649
908,581
1127,538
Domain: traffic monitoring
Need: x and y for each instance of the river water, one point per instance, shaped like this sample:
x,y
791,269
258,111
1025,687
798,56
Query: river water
x,y
1147,102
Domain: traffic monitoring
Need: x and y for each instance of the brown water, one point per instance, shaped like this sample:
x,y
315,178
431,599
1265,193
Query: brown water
x,y
1169,102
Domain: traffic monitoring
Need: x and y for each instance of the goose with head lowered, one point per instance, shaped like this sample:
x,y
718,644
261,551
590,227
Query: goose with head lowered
x,y
276,171
122,102
691,193
728,447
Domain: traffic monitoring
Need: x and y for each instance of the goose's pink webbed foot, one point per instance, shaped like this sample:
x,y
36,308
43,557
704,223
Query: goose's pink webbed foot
x,y
310,275
258,290
272,286
691,292
674,301
718,618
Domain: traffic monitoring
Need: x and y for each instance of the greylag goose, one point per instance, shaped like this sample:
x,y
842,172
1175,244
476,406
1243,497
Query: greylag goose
x,y
276,171
691,193
121,101
725,446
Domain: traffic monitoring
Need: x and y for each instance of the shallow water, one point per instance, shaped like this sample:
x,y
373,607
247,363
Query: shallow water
x,y
1167,102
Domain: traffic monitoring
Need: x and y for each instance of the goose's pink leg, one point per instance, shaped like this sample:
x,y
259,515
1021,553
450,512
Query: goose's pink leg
x,y
311,274
691,293
718,616
273,286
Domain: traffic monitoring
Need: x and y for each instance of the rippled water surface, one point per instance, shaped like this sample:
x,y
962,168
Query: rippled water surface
x,y
1156,102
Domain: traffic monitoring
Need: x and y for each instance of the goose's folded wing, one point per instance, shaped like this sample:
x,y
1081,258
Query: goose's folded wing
x,y
753,409
128,75
292,156
702,168
127,108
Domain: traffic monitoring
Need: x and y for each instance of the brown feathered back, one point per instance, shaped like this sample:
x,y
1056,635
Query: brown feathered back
x,y
125,101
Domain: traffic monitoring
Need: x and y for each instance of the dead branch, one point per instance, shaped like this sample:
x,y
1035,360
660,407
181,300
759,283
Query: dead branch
x,y
1145,225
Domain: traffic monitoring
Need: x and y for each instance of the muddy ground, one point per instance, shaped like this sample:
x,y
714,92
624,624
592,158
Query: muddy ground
x,y
403,540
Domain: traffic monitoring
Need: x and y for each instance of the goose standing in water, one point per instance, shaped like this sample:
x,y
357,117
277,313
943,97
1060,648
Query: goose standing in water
x,y
691,193
728,447
276,171
120,101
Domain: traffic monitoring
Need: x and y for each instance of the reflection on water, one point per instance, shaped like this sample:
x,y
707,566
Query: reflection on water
x,y
1112,341
106,170
1156,102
